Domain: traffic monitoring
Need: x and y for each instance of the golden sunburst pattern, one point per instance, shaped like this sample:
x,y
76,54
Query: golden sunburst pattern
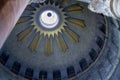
x,y
52,26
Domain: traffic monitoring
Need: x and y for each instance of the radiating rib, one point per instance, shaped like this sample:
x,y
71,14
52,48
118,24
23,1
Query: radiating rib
x,y
24,19
75,12
78,23
48,46
61,43
25,34
63,1
28,13
72,35
34,46
74,7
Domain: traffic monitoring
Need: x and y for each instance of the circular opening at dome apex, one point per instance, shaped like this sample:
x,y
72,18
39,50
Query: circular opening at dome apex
x,y
49,19
49,14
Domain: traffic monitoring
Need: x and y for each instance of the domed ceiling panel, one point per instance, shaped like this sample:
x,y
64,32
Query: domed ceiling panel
x,y
50,20
56,37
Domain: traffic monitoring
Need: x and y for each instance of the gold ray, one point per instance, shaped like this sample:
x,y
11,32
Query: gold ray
x,y
75,12
49,3
29,10
34,46
25,34
78,23
63,1
29,13
48,46
72,35
61,43
21,24
74,7
24,19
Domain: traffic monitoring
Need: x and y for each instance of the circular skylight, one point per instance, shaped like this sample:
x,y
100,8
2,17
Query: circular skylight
x,y
49,19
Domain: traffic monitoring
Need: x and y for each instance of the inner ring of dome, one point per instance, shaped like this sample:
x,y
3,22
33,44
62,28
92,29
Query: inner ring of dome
x,y
49,19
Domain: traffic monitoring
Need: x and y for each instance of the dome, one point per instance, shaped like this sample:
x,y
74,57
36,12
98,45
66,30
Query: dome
x,y
61,40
